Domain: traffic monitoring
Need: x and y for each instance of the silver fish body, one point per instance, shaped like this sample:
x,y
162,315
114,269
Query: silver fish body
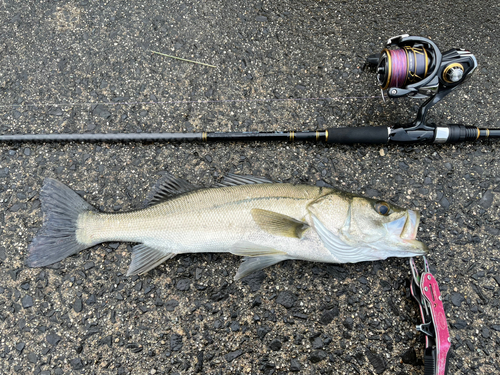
x,y
264,222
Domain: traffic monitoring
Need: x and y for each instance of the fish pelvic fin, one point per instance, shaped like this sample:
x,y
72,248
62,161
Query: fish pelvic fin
x,y
250,249
145,258
256,258
252,264
57,239
278,224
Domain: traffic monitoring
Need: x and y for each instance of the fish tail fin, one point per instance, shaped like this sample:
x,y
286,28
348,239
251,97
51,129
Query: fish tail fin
x,y
57,239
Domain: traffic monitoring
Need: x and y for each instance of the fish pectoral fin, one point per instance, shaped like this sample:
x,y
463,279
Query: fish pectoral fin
x,y
250,249
252,264
278,224
145,258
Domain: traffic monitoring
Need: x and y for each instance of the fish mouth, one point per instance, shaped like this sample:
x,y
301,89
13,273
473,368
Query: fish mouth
x,y
405,230
406,226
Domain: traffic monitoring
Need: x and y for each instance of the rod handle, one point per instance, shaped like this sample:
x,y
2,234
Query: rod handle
x,y
364,134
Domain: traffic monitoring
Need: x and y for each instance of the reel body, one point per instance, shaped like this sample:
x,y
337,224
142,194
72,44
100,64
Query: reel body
x,y
415,67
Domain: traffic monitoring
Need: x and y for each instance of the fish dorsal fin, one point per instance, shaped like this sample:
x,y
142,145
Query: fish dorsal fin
x,y
234,179
278,224
167,187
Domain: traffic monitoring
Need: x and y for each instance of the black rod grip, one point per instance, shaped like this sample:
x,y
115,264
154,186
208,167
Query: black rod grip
x,y
462,133
364,134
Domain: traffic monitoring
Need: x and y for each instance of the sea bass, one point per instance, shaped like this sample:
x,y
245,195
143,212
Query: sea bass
x,y
253,217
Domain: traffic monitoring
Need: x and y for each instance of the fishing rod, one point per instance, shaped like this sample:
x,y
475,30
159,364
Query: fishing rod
x,y
409,66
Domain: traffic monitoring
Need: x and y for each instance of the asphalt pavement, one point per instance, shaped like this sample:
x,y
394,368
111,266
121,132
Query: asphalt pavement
x,y
87,66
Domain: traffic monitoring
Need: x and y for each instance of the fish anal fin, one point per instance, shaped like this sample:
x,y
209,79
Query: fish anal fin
x,y
252,264
279,224
145,258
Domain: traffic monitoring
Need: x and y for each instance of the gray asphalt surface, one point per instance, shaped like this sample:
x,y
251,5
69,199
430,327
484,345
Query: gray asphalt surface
x,y
83,315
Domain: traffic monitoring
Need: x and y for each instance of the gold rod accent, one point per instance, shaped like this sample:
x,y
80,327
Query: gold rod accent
x,y
326,135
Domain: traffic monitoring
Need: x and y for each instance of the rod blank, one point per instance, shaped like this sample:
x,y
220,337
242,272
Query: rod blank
x,y
168,137
103,137
343,135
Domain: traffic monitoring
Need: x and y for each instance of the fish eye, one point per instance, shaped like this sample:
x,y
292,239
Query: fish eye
x,y
382,208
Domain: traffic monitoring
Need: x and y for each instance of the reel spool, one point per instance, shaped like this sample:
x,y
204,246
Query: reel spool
x,y
414,66
399,67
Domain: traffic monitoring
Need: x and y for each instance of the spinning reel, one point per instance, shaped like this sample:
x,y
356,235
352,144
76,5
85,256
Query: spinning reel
x,y
415,67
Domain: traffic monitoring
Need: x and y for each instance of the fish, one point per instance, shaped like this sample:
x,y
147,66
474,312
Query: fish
x,y
261,220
